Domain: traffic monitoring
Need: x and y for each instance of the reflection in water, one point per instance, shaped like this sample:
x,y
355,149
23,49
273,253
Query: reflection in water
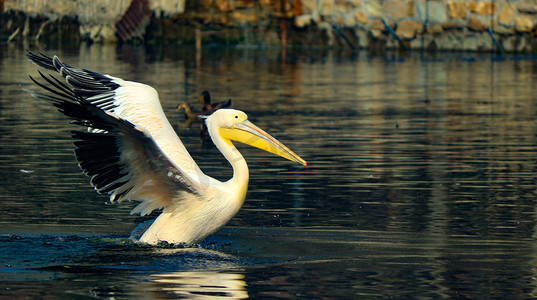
x,y
422,177
202,284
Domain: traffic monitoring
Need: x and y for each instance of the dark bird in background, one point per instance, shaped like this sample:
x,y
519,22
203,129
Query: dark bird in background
x,y
208,107
206,110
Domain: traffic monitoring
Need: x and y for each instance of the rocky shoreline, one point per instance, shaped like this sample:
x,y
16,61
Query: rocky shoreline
x,y
503,26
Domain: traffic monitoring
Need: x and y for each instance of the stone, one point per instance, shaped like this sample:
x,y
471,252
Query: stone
x,y
361,36
224,5
101,33
407,29
435,28
247,3
436,12
527,7
326,7
476,24
376,28
242,17
361,17
523,23
168,7
457,9
377,24
306,6
376,33
343,6
476,42
297,8
484,8
453,25
506,14
349,21
355,3
303,20
395,9
373,9
502,29
411,9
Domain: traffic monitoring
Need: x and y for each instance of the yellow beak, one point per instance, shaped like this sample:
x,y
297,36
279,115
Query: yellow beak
x,y
246,132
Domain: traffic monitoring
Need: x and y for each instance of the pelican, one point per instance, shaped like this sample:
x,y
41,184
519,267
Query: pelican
x,y
131,152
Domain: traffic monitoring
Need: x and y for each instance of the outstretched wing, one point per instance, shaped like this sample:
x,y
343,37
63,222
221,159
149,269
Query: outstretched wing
x,y
121,156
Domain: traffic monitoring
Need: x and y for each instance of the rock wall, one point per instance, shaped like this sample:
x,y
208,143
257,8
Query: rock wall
x,y
471,25
434,24
95,19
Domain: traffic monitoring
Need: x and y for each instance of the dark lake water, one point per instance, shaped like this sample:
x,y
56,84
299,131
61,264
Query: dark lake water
x,y
422,179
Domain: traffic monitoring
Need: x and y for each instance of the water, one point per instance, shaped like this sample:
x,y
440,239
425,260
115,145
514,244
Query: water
x,y
421,180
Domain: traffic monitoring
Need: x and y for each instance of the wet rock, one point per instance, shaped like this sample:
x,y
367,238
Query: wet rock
x,y
242,17
395,9
377,25
436,12
360,17
224,5
478,41
349,21
326,7
524,23
168,8
355,3
306,6
506,14
502,29
303,20
476,24
435,29
457,9
453,25
373,9
484,7
408,29
361,37
246,3
527,7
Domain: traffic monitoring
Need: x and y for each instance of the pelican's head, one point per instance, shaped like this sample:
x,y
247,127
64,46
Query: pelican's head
x,y
234,126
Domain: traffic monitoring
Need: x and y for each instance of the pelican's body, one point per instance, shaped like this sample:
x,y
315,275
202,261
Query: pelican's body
x,y
131,152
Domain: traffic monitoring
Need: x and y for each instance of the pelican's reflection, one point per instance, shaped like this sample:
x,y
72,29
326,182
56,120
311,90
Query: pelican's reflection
x,y
202,284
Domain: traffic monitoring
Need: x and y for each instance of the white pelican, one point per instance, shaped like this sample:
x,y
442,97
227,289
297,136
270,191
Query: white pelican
x,y
131,151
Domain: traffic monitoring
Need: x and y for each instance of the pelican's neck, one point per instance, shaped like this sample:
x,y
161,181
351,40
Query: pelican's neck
x,y
233,156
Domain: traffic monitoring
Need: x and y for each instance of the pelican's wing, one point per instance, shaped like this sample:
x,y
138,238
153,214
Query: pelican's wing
x,y
135,102
122,157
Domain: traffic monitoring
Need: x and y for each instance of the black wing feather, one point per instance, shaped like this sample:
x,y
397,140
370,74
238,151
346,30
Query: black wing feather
x,y
87,98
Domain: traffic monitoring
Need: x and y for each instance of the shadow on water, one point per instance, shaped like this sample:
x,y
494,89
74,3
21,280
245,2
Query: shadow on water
x,y
421,181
